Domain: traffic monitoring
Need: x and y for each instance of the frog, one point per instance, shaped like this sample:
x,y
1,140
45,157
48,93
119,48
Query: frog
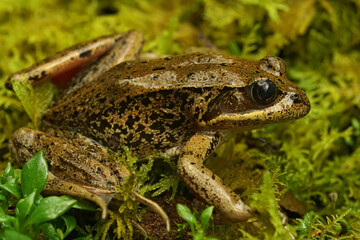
x,y
182,107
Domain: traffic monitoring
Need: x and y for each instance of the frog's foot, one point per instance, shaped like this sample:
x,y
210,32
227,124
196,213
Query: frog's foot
x,y
57,186
102,197
205,183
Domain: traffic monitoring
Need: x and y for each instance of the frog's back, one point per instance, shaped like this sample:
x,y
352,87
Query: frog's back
x,y
186,71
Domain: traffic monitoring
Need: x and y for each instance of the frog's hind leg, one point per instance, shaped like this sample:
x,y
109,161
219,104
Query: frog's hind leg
x,y
64,65
127,47
81,168
72,170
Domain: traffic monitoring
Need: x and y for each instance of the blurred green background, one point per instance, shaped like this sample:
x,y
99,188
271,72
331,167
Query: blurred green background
x,y
318,157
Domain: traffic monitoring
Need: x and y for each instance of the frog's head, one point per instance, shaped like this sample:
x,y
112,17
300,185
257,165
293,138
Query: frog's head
x,y
267,96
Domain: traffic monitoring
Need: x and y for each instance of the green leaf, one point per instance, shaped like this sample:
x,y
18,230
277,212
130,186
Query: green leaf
x,y
3,198
12,187
24,206
13,235
165,183
6,218
50,208
205,216
50,231
70,223
34,174
34,100
198,236
185,213
84,204
9,171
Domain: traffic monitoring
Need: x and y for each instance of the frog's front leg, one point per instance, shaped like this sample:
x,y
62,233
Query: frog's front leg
x,y
205,183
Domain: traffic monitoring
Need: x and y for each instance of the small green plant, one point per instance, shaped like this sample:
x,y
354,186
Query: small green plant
x,y
197,230
32,212
314,226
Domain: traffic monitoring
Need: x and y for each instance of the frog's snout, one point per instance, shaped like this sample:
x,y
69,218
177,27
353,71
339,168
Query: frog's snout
x,y
301,102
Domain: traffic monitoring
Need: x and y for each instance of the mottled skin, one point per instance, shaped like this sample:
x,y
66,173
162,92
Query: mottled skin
x,y
182,106
66,62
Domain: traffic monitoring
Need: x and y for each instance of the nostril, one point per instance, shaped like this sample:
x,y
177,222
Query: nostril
x,y
294,96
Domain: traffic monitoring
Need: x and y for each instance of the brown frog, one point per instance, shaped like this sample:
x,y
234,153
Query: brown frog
x,y
181,106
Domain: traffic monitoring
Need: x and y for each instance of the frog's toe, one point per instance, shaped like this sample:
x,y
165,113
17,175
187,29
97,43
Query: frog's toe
x,y
236,212
58,186
155,207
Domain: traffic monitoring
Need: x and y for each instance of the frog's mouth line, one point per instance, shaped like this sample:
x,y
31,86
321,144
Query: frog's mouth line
x,y
287,109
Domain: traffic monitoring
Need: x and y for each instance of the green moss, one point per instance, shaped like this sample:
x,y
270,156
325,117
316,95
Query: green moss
x,y
315,156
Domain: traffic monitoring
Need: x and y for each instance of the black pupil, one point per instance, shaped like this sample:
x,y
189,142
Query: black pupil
x,y
264,91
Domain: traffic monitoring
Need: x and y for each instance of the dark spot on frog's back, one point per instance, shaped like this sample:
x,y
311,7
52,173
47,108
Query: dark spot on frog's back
x,y
135,144
105,124
100,170
190,75
140,127
130,137
85,53
170,105
145,101
158,68
154,116
177,123
171,138
148,137
158,125
101,100
130,122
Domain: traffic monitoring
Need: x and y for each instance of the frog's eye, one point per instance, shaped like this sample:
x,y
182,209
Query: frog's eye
x,y
273,65
263,91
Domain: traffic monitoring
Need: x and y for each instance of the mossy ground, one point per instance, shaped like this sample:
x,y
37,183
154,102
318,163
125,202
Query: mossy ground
x,y
317,157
